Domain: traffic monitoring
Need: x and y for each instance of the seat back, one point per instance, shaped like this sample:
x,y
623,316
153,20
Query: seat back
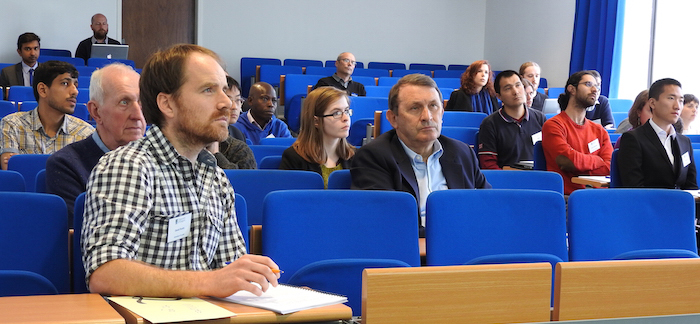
x,y
378,91
270,162
303,63
271,73
365,80
55,52
28,165
457,67
248,66
463,118
375,73
295,84
76,61
34,236
100,62
40,182
425,66
500,293
388,81
281,141
242,218
467,135
606,223
340,179
27,105
261,151
620,105
615,181
455,74
20,93
24,283
457,231
516,179
320,70
11,181
318,216
540,163
401,73
6,108
254,185
386,66
446,82
78,270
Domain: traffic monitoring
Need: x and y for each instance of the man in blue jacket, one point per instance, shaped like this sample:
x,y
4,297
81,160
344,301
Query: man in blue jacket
x,y
260,122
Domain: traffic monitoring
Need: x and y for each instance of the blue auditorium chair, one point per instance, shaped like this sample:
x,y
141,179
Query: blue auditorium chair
x,y
429,67
453,83
28,165
449,74
11,181
271,73
386,66
54,52
532,179
401,73
375,73
20,93
340,179
303,63
248,67
457,67
6,108
76,61
467,135
320,70
463,118
260,151
270,162
100,62
24,283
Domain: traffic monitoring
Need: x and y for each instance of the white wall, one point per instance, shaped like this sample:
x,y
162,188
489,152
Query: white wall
x,y
531,30
60,24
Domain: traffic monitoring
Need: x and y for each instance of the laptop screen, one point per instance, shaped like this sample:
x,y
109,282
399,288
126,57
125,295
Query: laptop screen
x,y
108,51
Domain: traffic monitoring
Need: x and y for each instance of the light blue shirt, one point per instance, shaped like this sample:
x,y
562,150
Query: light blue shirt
x,y
25,73
99,142
429,175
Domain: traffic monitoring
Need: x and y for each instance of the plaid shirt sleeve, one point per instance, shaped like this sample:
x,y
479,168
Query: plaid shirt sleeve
x,y
9,143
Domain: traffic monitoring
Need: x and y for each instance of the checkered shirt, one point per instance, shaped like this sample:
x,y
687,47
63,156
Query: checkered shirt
x,y
136,189
23,133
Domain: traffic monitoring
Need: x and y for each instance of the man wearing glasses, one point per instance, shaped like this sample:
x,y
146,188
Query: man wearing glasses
x,y
414,157
260,122
342,78
572,144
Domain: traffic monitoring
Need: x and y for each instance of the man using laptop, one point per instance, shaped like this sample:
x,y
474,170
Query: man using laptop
x,y
99,28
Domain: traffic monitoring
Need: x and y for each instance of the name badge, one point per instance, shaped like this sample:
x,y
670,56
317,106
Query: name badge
x,y
536,137
270,136
686,159
593,146
179,227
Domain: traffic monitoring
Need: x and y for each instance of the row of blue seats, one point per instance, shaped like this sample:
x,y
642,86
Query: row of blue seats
x,y
8,107
22,93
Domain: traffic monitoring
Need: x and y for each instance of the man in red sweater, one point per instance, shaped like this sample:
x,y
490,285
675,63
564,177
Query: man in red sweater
x,y
572,144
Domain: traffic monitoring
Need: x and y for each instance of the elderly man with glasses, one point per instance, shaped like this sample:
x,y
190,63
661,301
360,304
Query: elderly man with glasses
x,y
573,145
342,78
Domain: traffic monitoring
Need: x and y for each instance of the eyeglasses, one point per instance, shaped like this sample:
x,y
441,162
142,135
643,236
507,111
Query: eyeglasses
x,y
268,98
339,114
590,84
348,61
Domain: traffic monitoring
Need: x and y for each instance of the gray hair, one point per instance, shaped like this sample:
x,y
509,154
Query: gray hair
x,y
97,92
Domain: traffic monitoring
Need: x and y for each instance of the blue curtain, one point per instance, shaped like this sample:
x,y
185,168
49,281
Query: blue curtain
x,y
597,31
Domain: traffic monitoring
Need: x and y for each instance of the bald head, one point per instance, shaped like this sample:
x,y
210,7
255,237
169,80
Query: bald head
x,y
345,65
263,102
99,26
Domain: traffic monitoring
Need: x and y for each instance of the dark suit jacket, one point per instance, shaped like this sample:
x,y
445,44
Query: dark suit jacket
x,y
460,100
291,160
643,162
12,76
383,164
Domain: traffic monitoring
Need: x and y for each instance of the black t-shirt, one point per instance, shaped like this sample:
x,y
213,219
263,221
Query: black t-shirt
x,y
501,135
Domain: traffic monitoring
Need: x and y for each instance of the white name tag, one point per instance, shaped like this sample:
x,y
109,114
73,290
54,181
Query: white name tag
x,y
270,136
536,137
686,159
593,146
179,227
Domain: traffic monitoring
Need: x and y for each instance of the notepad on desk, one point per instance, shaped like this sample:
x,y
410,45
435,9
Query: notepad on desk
x,y
285,299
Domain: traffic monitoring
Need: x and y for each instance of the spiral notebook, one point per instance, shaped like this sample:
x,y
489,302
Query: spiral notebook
x,y
285,299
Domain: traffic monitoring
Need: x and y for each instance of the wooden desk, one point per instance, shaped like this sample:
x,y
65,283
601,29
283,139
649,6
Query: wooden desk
x,y
247,314
75,308
494,293
593,181
629,288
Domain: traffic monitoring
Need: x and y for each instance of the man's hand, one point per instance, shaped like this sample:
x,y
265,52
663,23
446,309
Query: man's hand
x,y
241,274
565,164
5,157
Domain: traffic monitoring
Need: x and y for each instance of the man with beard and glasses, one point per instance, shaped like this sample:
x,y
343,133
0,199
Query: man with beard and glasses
x,y
48,127
99,27
414,157
21,74
260,122
572,144
159,214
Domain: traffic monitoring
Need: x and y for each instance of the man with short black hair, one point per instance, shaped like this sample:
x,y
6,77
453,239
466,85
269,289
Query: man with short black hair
x,y
50,126
99,26
342,78
509,135
260,121
22,73
654,155
572,144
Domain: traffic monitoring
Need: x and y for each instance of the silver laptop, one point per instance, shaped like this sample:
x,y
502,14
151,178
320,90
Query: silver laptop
x,y
551,106
108,51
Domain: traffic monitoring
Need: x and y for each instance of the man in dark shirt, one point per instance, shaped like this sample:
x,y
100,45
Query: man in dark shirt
x,y
509,135
99,27
342,78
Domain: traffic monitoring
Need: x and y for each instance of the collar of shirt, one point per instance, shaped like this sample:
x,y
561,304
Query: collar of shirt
x,y
95,41
341,81
166,153
36,122
99,142
429,176
252,120
508,119
25,67
660,132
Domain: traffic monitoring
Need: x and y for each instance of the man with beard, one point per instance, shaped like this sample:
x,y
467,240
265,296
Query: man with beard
x,y
160,218
572,144
99,27
260,122
342,78
21,74
48,127
414,157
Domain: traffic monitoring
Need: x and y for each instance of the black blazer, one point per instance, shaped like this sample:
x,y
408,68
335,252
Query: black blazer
x,y
291,160
460,100
538,100
642,161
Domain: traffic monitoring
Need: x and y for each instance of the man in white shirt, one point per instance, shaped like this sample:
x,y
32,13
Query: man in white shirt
x,y
21,74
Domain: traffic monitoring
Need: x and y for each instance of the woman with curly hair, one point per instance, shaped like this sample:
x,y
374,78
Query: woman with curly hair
x,y
476,93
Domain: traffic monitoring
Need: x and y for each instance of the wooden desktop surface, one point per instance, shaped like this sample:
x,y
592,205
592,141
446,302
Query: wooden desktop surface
x,y
629,288
247,314
591,182
73,308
